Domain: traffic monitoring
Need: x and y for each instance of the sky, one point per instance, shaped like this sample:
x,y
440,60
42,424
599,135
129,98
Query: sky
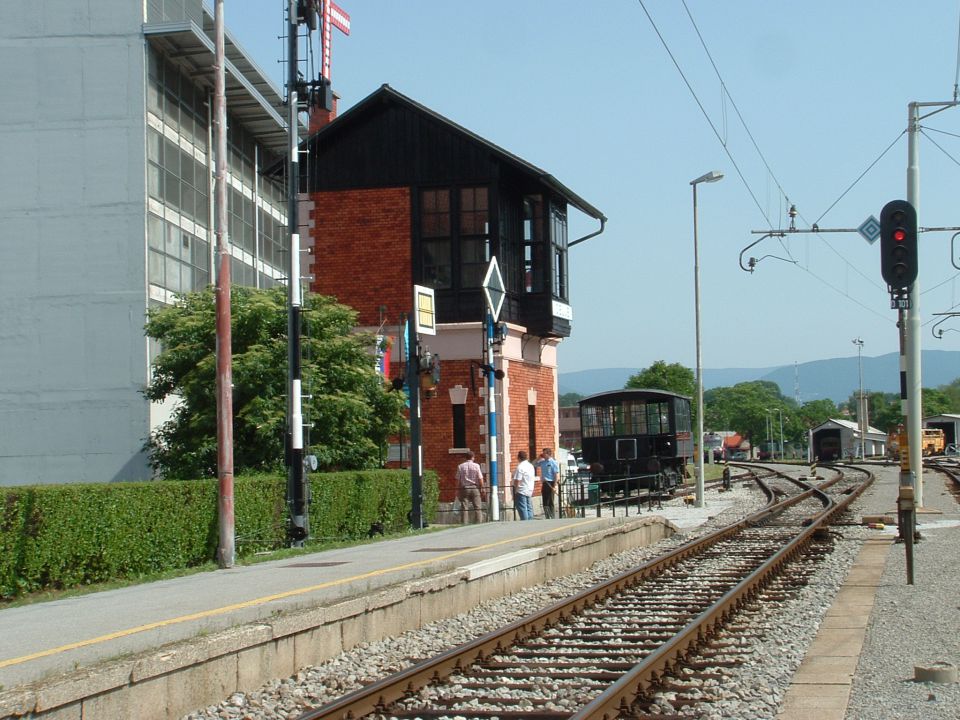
x,y
798,101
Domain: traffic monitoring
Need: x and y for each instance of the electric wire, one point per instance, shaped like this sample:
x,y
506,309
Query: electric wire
x,y
860,177
726,92
937,145
942,132
706,115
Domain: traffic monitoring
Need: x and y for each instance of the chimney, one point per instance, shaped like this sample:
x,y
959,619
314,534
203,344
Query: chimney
x,y
320,117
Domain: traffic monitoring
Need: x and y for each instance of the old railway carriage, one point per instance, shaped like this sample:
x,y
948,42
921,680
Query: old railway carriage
x,y
633,433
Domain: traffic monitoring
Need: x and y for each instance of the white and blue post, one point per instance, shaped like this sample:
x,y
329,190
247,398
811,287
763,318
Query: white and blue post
x,y
492,420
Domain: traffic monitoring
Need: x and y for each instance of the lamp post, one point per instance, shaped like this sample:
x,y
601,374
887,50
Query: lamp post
x,y
860,414
711,176
780,414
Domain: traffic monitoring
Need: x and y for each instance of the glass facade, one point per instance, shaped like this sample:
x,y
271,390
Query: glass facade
x,y
180,168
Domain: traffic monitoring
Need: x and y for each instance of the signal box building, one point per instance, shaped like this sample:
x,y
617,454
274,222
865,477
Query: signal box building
x,y
106,208
402,196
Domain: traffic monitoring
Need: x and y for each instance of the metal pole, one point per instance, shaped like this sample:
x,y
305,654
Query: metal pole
x,y
860,414
780,413
416,436
492,418
296,486
698,440
914,409
226,551
711,176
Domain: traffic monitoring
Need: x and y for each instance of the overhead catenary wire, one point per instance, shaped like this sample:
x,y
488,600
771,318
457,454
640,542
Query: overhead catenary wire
x,y
706,115
726,93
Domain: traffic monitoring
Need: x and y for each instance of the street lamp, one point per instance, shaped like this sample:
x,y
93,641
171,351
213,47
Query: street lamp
x,y
711,176
860,414
780,413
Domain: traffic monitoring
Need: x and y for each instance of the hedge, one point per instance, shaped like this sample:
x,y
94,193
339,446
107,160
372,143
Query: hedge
x,y
61,536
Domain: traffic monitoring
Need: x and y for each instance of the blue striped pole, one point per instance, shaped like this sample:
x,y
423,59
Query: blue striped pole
x,y
492,419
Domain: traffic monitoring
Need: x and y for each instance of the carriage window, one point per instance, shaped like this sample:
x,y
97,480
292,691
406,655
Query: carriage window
x,y
682,415
626,448
596,421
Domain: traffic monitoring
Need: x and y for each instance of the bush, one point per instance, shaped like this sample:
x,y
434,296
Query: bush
x,y
60,536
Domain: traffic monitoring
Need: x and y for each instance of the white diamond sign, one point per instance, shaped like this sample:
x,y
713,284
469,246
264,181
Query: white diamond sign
x,y
870,229
493,288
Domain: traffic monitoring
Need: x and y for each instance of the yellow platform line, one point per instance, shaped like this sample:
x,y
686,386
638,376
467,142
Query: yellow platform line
x,y
268,598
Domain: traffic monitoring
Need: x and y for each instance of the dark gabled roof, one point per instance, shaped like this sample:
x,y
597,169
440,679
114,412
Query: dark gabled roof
x,y
386,94
625,393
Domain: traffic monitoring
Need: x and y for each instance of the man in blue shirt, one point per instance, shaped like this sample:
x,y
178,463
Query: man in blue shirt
x,y
549,472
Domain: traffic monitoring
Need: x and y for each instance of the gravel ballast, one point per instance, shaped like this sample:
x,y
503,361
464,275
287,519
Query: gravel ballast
x,y
756,686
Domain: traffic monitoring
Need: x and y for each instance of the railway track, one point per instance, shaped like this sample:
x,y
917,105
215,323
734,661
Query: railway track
x,y
613,646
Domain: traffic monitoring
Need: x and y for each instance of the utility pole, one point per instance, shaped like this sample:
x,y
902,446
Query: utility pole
x,y
226,550
297,492
861,416
914,348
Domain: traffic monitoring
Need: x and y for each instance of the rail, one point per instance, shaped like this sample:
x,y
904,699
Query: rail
x,y
376,697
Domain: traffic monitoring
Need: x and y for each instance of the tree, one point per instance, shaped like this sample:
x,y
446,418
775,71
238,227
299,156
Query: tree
x,y
660,376
569,399
352,413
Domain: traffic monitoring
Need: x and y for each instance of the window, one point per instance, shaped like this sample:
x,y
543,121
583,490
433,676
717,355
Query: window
x,y
459,426
474,236
532,424
435,238
558,239
532,243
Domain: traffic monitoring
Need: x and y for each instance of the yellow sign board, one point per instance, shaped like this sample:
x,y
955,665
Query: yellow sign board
x,y
425,312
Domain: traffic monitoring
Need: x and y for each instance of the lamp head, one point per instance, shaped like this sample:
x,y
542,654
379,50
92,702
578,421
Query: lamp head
x,y
711,176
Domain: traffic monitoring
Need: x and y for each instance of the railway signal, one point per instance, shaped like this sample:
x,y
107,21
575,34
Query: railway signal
x,y
898,244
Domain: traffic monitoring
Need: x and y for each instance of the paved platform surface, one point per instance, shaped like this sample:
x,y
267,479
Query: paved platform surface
x,y
49,638
822,687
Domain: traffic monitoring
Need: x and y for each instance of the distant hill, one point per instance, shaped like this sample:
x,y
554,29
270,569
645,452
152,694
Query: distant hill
x,y
835,379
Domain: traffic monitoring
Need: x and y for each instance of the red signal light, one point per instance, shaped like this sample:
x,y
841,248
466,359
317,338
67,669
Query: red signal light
x,y
899,235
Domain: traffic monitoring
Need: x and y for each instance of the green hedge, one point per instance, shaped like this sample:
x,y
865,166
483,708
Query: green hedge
x,y
59,536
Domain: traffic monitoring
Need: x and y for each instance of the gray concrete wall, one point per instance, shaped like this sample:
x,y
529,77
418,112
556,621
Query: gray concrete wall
x,y
73,358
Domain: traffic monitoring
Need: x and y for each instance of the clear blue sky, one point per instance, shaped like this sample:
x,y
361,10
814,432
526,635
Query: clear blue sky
x,y
586,91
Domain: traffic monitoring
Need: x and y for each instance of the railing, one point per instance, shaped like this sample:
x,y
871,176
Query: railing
x,y
581,492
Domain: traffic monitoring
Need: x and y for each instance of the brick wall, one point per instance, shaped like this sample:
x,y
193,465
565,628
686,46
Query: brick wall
x,y
362,250
524,376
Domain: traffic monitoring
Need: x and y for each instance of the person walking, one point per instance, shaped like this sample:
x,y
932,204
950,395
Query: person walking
x,y
470,489
549,472
524,478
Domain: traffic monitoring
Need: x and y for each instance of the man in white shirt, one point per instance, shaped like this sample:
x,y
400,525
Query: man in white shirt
x,y
524,478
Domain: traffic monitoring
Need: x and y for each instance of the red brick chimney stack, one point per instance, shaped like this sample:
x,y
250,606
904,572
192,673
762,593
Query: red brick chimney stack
x,y
320,118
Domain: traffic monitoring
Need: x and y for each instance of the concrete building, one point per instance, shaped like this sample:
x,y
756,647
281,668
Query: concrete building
x,y
105,205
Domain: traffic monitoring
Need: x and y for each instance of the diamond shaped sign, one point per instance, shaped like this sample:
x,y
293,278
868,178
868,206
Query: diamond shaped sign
x,y
493,288
870,229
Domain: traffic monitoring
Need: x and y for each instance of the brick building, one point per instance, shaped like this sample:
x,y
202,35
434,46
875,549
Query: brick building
x,y
401,196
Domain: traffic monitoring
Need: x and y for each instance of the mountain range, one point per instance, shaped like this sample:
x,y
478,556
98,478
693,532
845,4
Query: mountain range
x,y
835,379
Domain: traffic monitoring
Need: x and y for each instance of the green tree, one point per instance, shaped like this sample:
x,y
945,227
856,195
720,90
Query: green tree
x,y
345,400
570,399
660,376
746,408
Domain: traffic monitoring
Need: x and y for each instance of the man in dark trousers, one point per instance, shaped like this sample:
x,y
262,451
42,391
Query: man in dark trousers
x,y
470,489
549,471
